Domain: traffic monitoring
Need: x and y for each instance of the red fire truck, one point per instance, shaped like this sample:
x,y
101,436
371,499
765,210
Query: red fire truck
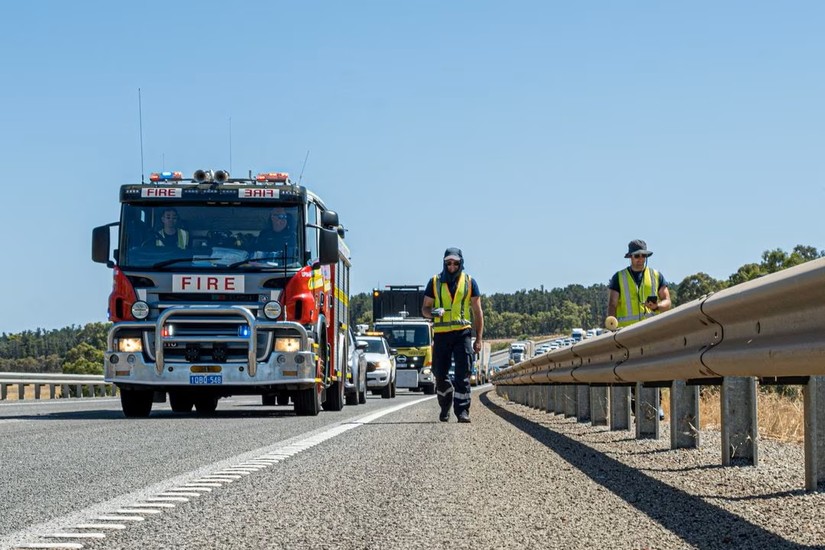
x,y
226,286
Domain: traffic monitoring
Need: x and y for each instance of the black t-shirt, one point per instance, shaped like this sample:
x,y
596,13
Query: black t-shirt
x,y
275,241
168,240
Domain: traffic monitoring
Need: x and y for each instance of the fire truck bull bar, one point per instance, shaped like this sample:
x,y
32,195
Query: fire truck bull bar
x,y
210,315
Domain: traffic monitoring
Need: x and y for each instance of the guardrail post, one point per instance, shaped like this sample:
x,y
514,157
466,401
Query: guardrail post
x,y
79,388
739,421
598,405
21,391
551,399
814,432
51,391
647,412
619,407
582,403
569,400
36,391
64,391
541,396
4,391
684,415
559,399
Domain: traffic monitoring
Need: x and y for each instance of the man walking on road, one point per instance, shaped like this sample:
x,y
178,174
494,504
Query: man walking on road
x,y
452,300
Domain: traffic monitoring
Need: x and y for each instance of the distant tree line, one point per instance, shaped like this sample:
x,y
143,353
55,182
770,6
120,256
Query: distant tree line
x,y
523,313
72,349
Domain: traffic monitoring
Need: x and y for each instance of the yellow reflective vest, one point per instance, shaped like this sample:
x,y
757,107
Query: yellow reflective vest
x,y
631,307
456,308
183,238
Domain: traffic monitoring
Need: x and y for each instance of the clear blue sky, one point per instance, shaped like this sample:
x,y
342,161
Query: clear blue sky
x,y
539,137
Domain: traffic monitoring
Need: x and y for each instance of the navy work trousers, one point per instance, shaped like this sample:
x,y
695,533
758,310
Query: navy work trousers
x,y
458,346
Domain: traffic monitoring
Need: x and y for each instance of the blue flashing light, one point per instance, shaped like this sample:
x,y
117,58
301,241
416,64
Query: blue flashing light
x,y
166,176
244,331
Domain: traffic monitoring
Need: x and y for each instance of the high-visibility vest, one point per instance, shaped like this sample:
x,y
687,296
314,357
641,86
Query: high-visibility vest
x,y
183,238
631,308
456,308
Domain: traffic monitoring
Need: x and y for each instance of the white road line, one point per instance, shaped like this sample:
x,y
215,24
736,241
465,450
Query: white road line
x,y
57,545
119,518
75,536
153,505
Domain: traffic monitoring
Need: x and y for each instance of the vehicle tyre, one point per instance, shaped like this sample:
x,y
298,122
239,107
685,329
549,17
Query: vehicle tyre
x,y
136,403
335,397
283,400
307,402
429,390
362,394
268,400
180,402
206,404
386,391
352,397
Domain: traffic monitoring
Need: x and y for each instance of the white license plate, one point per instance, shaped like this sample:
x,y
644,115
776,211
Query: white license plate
x,y
201,379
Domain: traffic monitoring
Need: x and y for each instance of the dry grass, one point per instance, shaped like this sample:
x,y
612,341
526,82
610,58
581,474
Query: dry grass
x,y
780,418
12,394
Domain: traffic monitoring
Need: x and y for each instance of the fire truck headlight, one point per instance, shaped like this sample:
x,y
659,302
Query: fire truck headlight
x,y
272,310
427,371
140,310
129,345
287,344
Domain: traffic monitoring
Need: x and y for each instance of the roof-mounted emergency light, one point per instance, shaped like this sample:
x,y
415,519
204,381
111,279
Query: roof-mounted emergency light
x,y
166,176
280,177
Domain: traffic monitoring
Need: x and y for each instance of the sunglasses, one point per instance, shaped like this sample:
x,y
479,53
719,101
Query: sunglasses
x,y
280,216
452,262
637,256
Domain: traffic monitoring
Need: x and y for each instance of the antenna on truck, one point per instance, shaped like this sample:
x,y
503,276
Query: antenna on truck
x,y
300,177
140,123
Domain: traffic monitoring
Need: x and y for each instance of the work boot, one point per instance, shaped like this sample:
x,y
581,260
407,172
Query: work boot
x,y
464,418
444,416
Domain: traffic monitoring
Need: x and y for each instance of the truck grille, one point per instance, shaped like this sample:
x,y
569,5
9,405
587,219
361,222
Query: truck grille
x,y
213,349
189,298
409,362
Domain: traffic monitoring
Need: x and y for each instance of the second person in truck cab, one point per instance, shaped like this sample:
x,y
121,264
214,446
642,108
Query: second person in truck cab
x,y
278,234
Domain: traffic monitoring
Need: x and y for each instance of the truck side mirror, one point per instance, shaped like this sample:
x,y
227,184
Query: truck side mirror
x,y
328,247
329,218
100,244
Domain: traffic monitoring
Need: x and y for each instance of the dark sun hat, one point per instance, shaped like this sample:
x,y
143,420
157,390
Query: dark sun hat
x,y
637,246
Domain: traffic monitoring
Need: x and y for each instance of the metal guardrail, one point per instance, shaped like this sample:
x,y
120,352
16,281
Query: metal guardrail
x,y
95,384
771,329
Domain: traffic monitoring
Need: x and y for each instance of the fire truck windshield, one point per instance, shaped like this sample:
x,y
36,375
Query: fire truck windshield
x,y
208,236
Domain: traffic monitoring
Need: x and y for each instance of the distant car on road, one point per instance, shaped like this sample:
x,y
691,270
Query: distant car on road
x,y
355,385
380,366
